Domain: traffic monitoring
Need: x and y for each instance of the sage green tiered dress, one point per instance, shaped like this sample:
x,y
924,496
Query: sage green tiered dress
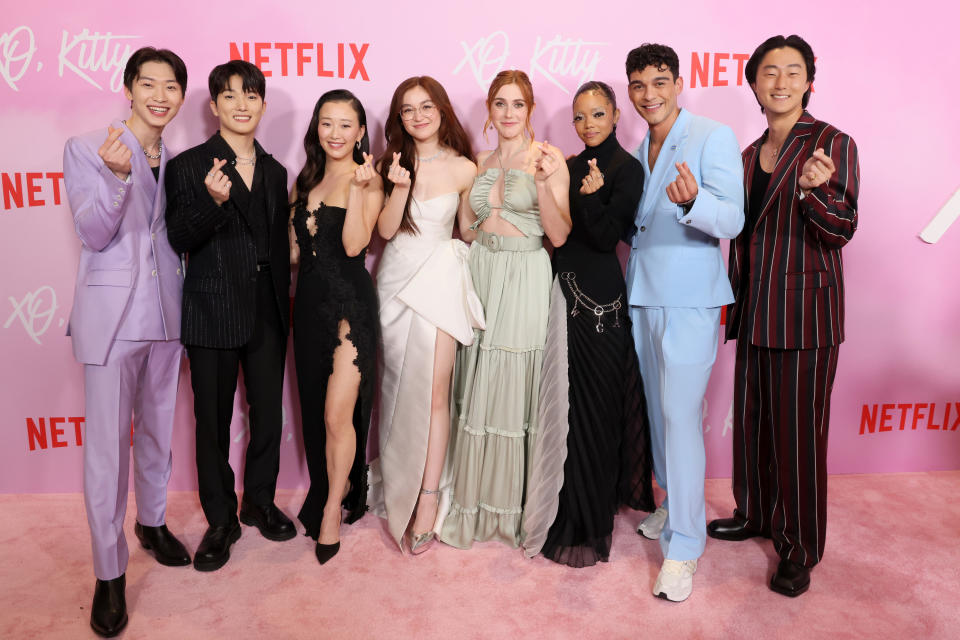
x,y
497,378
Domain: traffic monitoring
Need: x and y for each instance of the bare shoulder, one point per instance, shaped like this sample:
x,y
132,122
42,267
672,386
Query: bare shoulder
x,y
483,156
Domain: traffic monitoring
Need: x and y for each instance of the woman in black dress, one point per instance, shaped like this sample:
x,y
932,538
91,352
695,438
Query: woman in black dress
x,y
608,461
335,204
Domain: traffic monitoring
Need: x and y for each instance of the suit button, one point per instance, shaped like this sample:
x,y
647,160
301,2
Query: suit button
x,y
153,236
687,221
642,228
116,204
178,270
154,273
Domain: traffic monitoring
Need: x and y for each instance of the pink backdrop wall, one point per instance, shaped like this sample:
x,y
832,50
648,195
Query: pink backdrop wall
x,y
896,404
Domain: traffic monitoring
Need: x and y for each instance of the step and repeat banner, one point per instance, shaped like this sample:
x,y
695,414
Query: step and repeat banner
x,y
896,403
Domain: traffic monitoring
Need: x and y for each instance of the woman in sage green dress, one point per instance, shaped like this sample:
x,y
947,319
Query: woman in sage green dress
x,y
519,195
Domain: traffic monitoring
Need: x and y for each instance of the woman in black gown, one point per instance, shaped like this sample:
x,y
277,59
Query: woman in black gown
x,y
334,207
608,461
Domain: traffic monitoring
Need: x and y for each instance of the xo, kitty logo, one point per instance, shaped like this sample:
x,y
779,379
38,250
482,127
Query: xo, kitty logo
x,y
557,60
35,312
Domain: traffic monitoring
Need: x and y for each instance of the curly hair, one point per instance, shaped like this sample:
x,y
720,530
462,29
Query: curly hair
x,y
658,56
779,42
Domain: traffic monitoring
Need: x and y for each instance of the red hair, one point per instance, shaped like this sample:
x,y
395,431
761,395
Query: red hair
x,y
502,79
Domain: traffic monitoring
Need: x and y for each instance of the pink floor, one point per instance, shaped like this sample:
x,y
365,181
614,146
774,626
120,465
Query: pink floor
x,y
892,570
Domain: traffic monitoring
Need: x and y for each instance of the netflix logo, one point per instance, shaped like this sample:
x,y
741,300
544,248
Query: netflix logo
x,y
55,433
31,189
910,416
718,69
323,60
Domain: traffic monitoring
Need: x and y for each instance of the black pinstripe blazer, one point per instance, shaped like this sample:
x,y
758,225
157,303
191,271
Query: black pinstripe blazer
x,y
786,268
219,290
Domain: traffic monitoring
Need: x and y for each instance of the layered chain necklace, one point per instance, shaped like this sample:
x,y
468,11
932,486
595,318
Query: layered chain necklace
x,y
144,149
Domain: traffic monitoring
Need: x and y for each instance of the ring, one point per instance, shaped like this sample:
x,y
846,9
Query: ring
x,y
210,174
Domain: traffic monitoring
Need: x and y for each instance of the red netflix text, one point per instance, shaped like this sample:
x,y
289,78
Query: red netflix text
x,y
325,60
910,416
718,69
62,432
26,189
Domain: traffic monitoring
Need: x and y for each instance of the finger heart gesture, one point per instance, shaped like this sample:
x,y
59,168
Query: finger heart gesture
x,y
397,174
593,180
684,189
816,170
365,172
115,154
217,182
547,163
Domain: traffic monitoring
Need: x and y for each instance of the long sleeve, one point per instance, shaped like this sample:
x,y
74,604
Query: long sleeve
x,y
832,207
606,224
192,215
718,209
97,197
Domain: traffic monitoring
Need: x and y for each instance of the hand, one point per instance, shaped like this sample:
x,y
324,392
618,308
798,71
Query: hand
x,y
217,182
593,180
364,173
816,170
683,190
548,162
115,154
397,174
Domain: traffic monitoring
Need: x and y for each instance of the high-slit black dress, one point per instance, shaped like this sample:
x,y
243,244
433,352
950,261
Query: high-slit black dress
x,y
608,461
331,287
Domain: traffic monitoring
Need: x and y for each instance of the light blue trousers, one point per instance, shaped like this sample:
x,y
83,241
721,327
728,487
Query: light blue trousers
x,y
677,347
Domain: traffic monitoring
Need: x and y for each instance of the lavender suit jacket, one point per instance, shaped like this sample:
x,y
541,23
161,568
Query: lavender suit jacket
x,y
124,242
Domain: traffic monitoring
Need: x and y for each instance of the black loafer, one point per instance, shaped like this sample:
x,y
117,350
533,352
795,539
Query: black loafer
x,y
731,529
791,579
271,522
108,615
166,548
214,549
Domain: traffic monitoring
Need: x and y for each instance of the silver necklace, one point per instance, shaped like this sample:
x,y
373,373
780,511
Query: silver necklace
x,y
240,161
421,159
144,149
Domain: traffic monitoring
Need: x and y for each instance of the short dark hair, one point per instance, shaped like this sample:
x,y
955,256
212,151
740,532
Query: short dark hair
x,y
144,55
779,42
600,87
250,75
658,56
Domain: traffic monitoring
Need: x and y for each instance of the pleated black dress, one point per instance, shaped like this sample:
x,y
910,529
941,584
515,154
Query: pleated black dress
x,y
608,461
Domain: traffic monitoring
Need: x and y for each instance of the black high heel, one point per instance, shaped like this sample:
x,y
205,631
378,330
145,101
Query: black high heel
x,y
326,551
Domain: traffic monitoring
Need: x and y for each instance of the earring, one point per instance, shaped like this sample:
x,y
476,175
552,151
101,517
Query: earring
x,y
358,144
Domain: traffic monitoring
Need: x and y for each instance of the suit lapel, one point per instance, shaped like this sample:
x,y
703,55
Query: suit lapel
x,y
672,148
787,162
140,173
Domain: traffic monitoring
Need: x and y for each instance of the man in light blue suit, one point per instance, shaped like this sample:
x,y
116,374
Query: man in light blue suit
x,y
677,283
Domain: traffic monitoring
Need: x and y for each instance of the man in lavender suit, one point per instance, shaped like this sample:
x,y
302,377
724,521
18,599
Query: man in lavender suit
x,y
125,324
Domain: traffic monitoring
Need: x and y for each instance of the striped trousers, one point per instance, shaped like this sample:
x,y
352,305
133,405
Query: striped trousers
x,y
781,420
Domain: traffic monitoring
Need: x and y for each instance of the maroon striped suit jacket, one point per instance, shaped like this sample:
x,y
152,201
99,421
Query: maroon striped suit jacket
x,y
786,267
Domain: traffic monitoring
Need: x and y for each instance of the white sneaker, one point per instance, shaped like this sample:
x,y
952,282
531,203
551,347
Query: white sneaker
x,y
675,581
652,525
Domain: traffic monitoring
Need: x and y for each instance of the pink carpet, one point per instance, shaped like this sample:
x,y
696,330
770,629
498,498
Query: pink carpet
x,y
892,570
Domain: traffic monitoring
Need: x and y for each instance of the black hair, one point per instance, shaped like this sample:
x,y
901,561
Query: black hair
x,y
600,87
312,172
251,77
779,42
149,54
658,56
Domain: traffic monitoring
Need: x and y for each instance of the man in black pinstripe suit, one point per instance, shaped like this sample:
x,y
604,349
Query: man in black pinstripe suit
x,y
227,212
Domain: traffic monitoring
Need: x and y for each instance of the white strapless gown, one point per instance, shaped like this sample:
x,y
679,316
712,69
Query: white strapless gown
x,y
423,284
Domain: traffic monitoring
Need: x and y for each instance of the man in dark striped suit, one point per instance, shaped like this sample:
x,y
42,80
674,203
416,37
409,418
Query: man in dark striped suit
x,y
227,211
802,179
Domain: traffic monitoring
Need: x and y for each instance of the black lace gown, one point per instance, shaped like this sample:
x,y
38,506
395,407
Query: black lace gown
x,y
608,460
331,287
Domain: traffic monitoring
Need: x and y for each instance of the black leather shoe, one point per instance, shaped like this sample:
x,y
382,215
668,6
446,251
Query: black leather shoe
x,y
730,529
165,546
791,579
108,615
214,549
271,522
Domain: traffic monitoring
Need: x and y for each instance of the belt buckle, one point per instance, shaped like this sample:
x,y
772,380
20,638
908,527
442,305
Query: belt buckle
x,y
493,242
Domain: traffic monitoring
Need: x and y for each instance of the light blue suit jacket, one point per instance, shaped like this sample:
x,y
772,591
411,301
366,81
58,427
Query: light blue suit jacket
x,y
675,259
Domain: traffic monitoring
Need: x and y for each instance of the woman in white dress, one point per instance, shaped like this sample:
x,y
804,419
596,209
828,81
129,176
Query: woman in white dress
x,y
427,305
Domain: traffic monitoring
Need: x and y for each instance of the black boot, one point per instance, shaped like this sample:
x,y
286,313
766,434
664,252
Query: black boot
x,y
214,549
165,546
108,616
791,579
